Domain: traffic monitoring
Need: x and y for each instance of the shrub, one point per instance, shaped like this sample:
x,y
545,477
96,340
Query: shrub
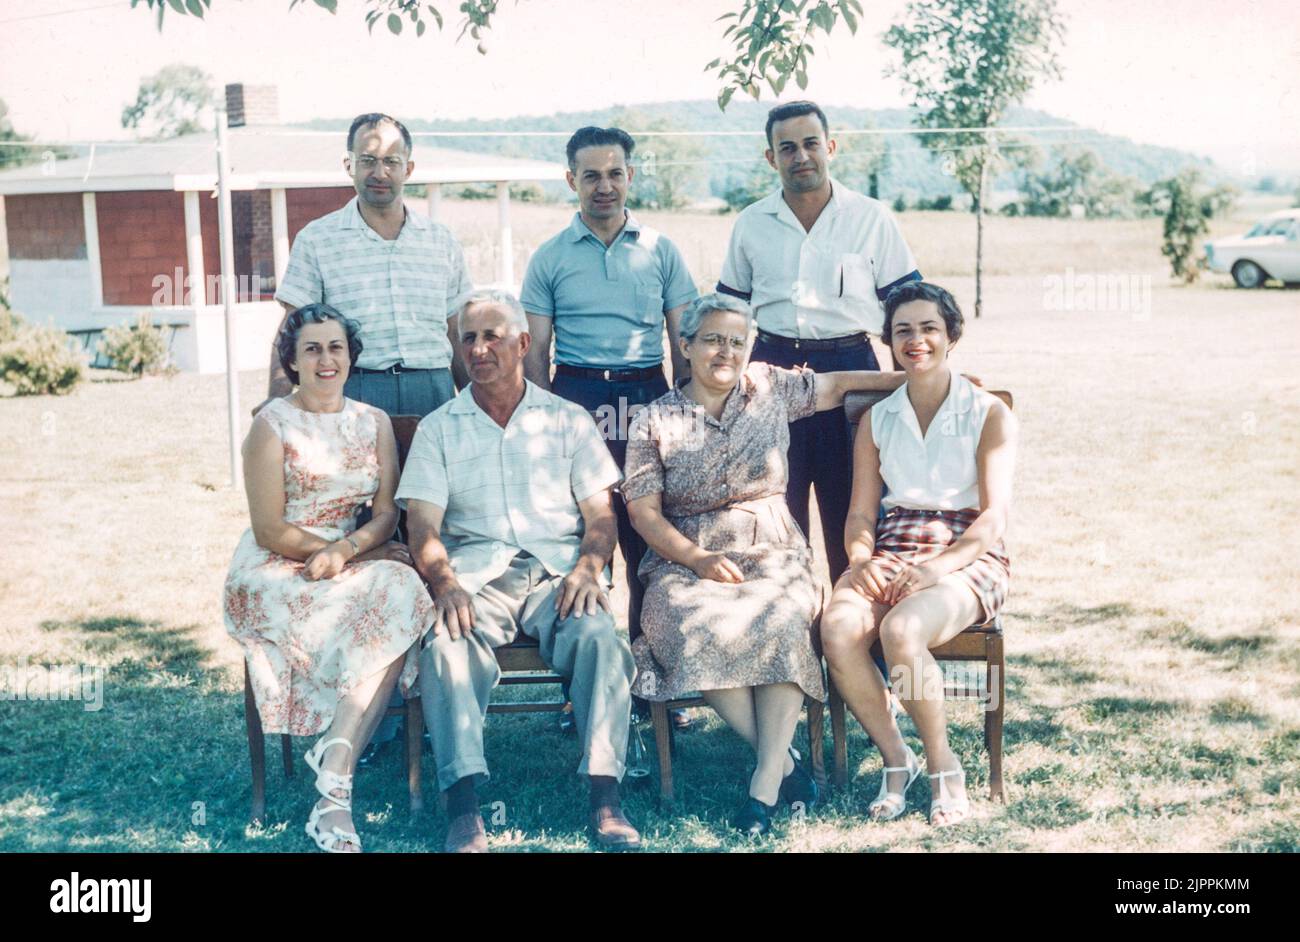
x,y
10,325
900,205
37,361
135,348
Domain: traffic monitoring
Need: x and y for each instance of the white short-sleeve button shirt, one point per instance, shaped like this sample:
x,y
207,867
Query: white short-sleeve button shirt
x,y
828,282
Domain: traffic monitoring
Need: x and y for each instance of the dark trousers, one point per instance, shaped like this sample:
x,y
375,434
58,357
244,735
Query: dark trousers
x,y
821,453
617,400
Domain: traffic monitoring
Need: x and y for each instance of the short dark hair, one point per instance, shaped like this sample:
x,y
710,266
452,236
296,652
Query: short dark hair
x,y
923,291
596,137
286,341
373,119
794,109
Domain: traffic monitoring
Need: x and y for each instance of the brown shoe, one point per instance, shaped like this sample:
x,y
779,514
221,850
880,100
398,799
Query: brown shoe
x,y
612,831
465,835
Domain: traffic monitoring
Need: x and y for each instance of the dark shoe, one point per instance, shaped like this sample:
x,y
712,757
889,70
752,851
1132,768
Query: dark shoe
x,y
568,722
680,719
465,835
612,831
799,785
754,819
374,752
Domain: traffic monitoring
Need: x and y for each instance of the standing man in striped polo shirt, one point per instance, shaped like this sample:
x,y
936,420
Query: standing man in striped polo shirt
x,y
397,273
816,259
607,289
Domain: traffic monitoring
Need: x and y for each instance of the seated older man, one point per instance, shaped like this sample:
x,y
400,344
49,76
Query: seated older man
x,y
507,489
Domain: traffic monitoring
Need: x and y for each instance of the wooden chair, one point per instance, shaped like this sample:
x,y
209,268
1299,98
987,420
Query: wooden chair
x,y
976,643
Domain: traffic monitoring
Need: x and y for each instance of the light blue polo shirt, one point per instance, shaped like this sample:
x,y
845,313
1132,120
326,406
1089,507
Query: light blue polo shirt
x,y
607,304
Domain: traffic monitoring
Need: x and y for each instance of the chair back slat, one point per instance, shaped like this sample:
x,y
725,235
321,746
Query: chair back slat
x,y
856,404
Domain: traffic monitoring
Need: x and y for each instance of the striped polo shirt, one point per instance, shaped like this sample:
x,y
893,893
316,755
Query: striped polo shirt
x,y
401,291
508,489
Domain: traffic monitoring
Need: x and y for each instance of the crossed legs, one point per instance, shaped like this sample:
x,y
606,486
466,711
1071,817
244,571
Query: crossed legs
x,y
765,717
907,631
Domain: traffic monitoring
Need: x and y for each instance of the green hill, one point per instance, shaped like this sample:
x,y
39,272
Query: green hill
x,y
720,162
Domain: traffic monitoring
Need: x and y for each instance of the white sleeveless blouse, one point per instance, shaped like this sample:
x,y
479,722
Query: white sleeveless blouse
x,y
936,471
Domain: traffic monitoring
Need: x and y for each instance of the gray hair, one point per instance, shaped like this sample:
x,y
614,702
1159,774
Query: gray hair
x,y
500,298
703,307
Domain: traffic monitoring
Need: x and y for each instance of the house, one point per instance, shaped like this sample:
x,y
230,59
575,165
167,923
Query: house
x,y
132,227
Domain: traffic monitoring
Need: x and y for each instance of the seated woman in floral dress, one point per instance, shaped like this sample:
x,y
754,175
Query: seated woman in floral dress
x,y
730,597
325,611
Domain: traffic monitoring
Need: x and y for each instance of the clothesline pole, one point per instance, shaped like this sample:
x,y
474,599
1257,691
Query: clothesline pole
x,y
225,231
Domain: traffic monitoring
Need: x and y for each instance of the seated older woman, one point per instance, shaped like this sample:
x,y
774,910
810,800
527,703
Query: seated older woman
x,y
730,597
324,610
934,564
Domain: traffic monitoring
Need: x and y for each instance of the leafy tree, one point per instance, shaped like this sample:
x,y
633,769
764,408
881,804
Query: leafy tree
x,y
1187,208
772,40
11,156
170,102
963,63
758,183
669,169
1077,178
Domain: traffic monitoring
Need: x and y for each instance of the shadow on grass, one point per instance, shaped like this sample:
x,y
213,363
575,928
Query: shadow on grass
x,y
1127,709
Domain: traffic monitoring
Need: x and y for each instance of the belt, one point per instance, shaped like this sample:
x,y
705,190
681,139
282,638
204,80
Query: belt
x,y
611,376
396,369
806,343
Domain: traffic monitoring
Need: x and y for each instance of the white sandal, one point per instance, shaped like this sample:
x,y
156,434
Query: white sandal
x,y
328,782
330,840
893,804
945,803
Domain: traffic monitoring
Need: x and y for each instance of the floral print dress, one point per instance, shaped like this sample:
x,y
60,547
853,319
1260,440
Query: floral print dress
x,y
308,644
722,485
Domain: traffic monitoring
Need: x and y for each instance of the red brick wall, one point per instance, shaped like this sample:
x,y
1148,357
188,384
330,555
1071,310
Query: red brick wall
x,y
141,236
304,205
261,249
45,226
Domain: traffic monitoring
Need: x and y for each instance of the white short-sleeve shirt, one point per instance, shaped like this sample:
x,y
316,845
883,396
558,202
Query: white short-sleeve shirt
x,y
508,489
828,282
937,470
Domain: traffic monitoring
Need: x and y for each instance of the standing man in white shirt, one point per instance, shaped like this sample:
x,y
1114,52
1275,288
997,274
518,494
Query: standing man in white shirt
x,y
816,260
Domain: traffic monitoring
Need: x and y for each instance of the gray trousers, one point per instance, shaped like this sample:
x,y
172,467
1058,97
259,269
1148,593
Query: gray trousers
x,y
413,393
457,677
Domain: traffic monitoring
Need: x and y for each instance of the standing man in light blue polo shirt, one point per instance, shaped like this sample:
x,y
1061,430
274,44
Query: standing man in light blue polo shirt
x,y
606,289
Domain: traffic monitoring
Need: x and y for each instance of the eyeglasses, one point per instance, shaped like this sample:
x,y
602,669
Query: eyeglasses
x,y
717,342
368,162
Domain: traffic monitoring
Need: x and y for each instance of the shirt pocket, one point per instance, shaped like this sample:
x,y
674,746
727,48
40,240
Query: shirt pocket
x,y
857,278
648,302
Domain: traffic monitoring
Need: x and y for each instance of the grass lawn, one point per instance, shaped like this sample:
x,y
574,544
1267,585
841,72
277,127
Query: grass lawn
x,y
1153,650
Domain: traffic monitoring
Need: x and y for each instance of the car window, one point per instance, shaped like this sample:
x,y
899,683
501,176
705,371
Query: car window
x,y
1281,227
1257,230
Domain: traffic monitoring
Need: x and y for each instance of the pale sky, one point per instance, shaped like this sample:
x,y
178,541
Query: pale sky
x,y
1215,77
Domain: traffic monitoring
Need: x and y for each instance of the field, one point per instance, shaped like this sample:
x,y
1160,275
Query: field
x,y
1153,649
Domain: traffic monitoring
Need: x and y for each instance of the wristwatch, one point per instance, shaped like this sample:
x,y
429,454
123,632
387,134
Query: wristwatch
x,y
356,550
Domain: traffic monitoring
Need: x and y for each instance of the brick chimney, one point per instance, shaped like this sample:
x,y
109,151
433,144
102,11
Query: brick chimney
x,y
251,104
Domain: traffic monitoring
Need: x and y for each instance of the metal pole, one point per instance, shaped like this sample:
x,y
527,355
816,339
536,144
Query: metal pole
x,y
225,228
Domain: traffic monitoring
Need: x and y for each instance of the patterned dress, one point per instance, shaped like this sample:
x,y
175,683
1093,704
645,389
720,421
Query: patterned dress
x,y
723,486
308,644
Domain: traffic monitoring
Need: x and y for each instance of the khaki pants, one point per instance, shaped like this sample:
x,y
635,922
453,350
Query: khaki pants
x,y
457,677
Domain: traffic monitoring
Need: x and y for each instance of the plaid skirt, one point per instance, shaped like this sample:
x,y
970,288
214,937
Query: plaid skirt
x,y
907,537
